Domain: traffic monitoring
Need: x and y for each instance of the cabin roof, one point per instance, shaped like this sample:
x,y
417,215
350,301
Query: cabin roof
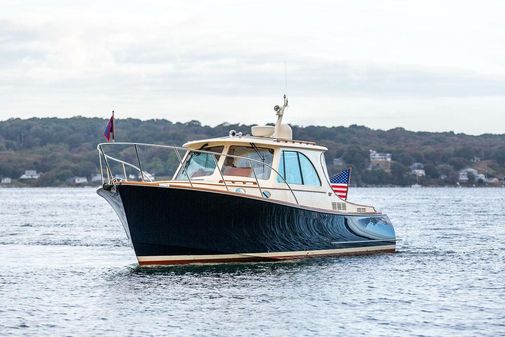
x,y
240,140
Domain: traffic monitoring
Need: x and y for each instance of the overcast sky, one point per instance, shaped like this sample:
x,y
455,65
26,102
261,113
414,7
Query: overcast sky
x,y
422,65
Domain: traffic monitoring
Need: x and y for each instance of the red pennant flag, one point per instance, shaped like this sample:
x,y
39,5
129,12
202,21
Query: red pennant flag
x,y
109,129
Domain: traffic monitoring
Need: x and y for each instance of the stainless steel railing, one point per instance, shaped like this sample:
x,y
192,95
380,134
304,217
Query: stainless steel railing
x,y
111,179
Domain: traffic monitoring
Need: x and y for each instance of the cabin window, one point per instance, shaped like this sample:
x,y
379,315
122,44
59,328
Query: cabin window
x,y
200,164
309,173
261,163
290,168
297,169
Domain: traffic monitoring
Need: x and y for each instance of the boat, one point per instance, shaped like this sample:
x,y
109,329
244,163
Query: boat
x,y
262,196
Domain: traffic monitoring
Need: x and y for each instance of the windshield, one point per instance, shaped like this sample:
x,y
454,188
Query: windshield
x,y
244,168
200,164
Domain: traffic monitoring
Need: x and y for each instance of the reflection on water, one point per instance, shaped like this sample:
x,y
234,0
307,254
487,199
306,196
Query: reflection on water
x,y
67,269
232,268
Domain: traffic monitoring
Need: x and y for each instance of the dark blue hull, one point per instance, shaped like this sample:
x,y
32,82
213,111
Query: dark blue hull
x,y
175,225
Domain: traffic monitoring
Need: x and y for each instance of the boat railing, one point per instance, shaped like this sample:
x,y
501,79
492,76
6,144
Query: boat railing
x,y
106,161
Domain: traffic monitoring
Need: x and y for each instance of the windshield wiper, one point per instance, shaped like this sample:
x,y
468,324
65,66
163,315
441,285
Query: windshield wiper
x,y
262,157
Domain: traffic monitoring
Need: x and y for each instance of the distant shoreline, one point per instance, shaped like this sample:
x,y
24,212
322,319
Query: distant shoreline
x,y
62,151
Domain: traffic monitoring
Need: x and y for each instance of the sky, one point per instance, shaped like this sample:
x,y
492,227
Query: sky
x,y
421,65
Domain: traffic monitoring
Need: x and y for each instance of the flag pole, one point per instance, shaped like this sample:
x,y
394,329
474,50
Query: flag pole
x,y
349,184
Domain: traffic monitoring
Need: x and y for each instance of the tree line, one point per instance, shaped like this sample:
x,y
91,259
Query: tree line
x,y
60,148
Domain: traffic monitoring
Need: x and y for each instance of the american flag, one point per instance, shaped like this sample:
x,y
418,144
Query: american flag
x,y
340,183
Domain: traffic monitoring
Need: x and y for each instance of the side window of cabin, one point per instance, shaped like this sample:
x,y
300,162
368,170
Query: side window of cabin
x,y
297,169
290,168
309,173
200,164
241,167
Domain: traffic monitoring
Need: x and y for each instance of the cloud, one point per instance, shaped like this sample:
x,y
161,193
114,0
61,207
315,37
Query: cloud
x,y
64,59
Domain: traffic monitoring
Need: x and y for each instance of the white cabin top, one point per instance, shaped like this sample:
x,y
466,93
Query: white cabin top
x,y
245,140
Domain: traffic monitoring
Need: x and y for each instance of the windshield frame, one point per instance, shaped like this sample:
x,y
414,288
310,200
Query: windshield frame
x,y
266,155
182,172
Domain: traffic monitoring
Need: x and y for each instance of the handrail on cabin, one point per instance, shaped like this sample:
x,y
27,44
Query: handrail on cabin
x,y
110,177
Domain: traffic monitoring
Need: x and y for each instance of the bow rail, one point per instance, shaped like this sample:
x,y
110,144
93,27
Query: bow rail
x,y
115,179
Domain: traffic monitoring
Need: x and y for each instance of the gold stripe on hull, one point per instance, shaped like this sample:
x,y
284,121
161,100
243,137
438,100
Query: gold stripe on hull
x,y
252,257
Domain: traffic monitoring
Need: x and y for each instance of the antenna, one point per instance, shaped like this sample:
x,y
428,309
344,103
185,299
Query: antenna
x,y
285,77
281,130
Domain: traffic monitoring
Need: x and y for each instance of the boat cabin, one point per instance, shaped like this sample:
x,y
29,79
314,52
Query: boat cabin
x,y
275,165
267,164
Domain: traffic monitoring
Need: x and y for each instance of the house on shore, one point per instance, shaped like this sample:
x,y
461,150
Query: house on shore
x,y
418,172
417,169
30,175
380,160
6,181
464,175
493,181
470,176
79,180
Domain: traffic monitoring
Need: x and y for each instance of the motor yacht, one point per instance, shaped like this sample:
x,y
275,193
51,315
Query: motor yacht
x,y
262,196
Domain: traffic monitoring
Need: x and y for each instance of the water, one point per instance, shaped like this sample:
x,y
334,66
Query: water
x,y
67,269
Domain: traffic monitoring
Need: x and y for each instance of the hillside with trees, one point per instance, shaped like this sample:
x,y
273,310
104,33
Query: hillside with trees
x,y
59,149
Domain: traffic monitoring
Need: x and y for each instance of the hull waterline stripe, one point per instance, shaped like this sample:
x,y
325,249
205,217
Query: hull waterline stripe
x,y
174,259
362,241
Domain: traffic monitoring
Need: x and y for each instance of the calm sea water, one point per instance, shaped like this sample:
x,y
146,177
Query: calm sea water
x,y
67,269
